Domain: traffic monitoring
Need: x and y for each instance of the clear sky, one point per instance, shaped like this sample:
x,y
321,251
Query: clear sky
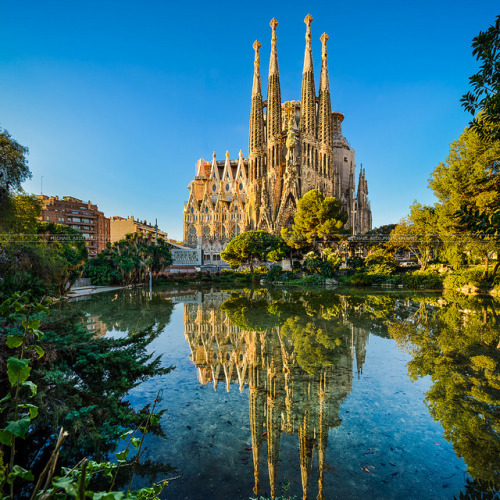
x,y
117,100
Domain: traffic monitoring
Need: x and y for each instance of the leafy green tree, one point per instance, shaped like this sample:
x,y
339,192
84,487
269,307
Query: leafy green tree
x,y
129,261
380,262
468,180
417,232
483,100
470,175
249,248
19,214
71,248
13,165
46,266
318,218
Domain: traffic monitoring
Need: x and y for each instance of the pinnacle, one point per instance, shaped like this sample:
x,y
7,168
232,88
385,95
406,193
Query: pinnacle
x,y
256,45
308,20
273,23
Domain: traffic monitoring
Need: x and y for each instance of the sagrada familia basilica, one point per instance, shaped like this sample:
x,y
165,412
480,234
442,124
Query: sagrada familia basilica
x,y
294,147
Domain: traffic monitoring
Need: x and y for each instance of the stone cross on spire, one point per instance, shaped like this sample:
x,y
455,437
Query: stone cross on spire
x,y
308,61
308,20
273,63
256,89
324,38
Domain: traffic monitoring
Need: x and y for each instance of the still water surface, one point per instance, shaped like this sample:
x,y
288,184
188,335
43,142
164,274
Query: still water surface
x,y
343,395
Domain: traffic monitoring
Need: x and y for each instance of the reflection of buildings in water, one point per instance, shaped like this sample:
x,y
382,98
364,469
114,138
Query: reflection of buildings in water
x,y
282,396
96,326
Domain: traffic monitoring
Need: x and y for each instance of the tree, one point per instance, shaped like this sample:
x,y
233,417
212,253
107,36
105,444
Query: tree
x,y
468,183
71,249
250,247
19,213
484,98
417,233
130,260
380,262
317,219
13,164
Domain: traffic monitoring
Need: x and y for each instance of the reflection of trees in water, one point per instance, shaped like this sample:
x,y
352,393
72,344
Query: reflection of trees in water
x,y
295,354
127,310
458,346
295,351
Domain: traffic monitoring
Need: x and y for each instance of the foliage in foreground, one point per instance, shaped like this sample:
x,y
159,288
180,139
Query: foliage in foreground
x,y
70,392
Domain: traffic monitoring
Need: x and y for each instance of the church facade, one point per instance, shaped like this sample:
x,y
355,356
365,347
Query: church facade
x,y
294,147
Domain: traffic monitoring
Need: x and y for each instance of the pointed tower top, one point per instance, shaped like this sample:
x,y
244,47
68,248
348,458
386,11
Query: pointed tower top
x,y
227,154
308,20
241,154
324,38
256,46
324,84
273,62
256,89
308,61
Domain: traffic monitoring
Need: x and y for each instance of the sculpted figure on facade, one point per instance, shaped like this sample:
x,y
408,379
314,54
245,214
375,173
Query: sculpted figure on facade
x,y
294,147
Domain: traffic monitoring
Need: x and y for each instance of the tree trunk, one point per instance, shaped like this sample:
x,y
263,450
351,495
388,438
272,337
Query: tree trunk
x,y
486,264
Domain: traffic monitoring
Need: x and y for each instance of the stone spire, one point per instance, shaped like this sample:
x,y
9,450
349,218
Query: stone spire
x,y
308,96
256,112
325,121
273,91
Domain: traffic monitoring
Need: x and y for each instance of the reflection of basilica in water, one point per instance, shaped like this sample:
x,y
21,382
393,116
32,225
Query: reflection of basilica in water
x,y
282,395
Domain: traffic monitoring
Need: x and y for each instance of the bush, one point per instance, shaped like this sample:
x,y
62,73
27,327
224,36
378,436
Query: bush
x,y
355,263
360,279
274,274
468,277
381,269
261,270
427,279
381,262
315,279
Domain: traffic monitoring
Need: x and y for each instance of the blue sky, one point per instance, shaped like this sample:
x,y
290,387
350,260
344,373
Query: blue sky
x,y
117,100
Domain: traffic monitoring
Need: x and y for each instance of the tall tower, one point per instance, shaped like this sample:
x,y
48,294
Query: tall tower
x,y
274,132
308,115
325,125
256,147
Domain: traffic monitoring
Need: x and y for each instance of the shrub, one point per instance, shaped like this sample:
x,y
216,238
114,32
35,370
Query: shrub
x,y
355,263
261,270
426,279
381,262
274,274
471,277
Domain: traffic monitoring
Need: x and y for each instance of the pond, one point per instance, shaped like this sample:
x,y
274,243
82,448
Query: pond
x,y
335,393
